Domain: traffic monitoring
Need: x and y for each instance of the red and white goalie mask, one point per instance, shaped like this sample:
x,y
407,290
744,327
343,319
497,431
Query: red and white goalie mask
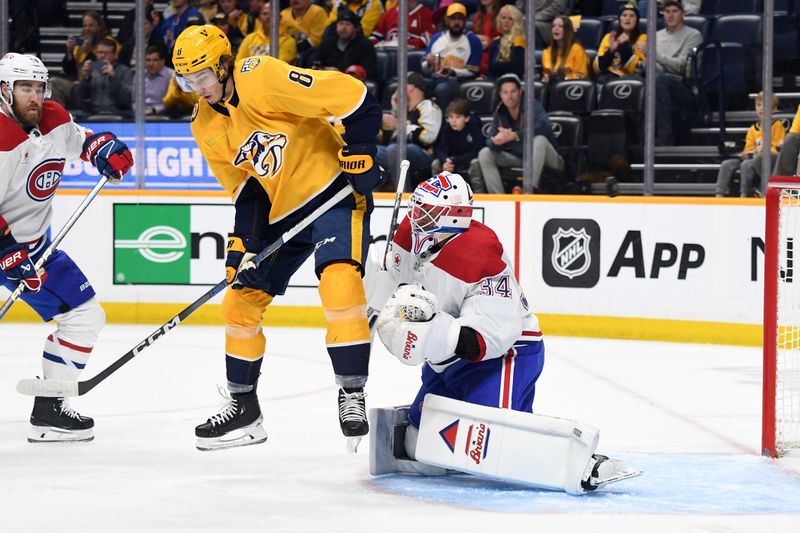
x,y
440,205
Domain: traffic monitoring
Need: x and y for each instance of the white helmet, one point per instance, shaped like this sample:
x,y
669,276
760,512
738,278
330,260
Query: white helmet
x,y
22,67
441,204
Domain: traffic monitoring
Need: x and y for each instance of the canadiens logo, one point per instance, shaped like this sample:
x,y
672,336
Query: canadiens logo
x,y
477,442
436,185
264,151
44,179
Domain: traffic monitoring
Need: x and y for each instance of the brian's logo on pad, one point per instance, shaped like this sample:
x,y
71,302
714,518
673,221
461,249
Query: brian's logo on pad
x,y
449,434
44,179
477,442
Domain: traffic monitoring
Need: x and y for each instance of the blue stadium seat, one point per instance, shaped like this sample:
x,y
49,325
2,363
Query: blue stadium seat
x,y
590,32
611,7
625,94
700,23
415,58
388,90
726,7
381,60
481,94
785,38
784,6
742,29
486,123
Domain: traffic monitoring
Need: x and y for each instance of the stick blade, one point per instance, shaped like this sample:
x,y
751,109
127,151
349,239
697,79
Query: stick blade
x,y
52,388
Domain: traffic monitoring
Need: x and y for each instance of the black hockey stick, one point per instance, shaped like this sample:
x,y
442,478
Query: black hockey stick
x,y
60,388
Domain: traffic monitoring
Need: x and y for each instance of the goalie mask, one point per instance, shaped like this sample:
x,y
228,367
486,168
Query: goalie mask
x,y
440,205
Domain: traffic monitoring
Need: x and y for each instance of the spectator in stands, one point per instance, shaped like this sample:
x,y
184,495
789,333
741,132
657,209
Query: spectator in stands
x,y
85,47
484,26
185,16
690,7
249,22
504,145
368,12
749,161
177,102
209,9
673,96
126,53
305,22
461,140
789,159
507,51
106,85
346,47
452,56
420,27
156,80
565,58
546,11
422,130
623,50
226,8
258,42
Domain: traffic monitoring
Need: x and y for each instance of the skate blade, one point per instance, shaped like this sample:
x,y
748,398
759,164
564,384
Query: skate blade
x,y
352,443
44,434
628,474
245,436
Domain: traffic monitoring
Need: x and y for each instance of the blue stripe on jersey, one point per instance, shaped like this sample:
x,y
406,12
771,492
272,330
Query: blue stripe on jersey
x,y
59,360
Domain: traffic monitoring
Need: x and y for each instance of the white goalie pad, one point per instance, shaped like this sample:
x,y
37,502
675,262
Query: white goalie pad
x,y
542,451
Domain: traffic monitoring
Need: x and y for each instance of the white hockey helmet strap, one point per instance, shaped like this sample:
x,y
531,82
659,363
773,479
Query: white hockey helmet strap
x,y
22,67
441,204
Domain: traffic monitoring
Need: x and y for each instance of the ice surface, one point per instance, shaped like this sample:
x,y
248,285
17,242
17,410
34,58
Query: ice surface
x,y
689,415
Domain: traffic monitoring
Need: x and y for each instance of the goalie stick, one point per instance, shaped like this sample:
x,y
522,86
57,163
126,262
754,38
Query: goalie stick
x,y
60,388
55,242
401,184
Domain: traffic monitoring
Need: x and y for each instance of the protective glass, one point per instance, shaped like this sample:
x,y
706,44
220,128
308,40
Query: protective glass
x,y
196,80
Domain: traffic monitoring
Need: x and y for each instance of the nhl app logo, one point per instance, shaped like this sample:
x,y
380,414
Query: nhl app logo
x,y
571,253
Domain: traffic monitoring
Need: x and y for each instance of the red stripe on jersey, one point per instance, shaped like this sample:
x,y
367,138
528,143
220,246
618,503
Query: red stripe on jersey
x,y
11,133
53,116
481,347
402,236
75,347
508,375
473,255
531,333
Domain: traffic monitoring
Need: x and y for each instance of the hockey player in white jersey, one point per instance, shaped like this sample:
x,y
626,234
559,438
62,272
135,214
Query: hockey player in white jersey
x,y
37,137
457,309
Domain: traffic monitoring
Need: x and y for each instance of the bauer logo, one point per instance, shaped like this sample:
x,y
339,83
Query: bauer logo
x,y
571,252
175,244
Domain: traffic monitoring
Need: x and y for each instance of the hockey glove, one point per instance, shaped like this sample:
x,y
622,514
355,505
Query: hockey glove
x,y
357,161
109,155
18,267
240,271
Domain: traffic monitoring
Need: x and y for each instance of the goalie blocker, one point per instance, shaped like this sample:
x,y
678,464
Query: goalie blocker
x,y
541,451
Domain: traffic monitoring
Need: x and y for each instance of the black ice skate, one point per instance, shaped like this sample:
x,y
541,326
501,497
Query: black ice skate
x,y
237,424
607,471
53,420
353,416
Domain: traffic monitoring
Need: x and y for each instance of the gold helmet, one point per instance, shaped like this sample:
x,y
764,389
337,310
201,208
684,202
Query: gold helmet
x,y
200,47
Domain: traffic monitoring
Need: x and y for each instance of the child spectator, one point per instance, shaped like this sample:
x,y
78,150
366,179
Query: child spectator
x,y
461,140
565,58
749,161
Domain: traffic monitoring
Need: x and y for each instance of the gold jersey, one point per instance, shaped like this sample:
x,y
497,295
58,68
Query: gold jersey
x,y
275,127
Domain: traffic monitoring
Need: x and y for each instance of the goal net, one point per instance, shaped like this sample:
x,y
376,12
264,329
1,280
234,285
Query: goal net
x,y
781,402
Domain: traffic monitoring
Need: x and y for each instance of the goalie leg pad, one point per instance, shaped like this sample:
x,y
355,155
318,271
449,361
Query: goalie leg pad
x,y
542,451
387,451
67,349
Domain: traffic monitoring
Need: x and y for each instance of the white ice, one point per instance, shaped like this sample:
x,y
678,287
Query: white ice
x,y
654,402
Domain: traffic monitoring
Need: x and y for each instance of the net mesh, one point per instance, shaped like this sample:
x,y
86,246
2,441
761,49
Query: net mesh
x,y
787,388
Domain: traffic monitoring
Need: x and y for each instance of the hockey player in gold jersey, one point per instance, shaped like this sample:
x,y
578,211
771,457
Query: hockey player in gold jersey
x,y
263,127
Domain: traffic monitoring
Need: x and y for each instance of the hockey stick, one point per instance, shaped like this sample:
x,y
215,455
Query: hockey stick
x,y
55,242
401,184
59,388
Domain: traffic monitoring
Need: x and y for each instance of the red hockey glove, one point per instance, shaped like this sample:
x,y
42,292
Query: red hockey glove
x,y
109,155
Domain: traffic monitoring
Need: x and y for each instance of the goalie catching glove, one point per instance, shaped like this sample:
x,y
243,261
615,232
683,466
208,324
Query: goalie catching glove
x,y
109,155
240,271
413,329
357,161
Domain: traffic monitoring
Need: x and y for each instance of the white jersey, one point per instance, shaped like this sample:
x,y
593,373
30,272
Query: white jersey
x,y
31,165
474,282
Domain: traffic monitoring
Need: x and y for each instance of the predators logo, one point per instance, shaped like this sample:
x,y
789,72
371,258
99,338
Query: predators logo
x,y
264,151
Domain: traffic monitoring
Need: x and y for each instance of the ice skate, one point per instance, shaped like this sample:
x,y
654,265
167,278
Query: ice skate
x,y
237,424
606,471
353,416
53,420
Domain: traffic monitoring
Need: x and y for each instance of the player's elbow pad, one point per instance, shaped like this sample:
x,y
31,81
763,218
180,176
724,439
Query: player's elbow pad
x,y
357,161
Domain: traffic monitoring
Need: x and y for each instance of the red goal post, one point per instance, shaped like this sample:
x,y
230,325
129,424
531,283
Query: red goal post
x,y
780,431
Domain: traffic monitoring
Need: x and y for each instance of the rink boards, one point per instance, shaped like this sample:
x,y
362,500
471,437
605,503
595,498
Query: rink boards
x,y
680,269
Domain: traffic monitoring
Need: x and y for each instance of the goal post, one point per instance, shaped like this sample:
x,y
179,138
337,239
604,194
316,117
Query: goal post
x,y
780,431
